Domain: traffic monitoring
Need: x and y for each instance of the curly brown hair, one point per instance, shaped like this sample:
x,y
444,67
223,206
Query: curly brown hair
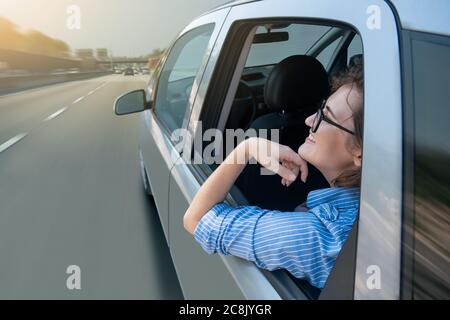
x,y
353,76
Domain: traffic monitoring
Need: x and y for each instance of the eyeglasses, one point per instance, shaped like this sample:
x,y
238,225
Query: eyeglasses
x,y
320,116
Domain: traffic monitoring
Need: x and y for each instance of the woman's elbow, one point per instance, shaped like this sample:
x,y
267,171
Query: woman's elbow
x,y
188,223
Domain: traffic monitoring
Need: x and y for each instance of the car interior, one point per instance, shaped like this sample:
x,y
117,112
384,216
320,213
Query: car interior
x,y
281,96
287,107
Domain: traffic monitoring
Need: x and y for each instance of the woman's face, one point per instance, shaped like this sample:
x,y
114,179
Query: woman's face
x,y
330,149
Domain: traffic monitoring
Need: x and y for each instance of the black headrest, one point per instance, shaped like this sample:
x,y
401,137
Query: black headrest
x,y
298,82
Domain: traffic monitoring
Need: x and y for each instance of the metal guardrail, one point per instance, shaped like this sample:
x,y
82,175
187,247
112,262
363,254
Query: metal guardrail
x,y
12,84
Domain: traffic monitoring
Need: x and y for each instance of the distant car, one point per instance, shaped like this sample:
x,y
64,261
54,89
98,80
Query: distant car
x,y
118,71
129,72
223,72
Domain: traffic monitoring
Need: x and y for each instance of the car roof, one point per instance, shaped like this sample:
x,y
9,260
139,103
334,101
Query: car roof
x,y
417,15
424,15
229,4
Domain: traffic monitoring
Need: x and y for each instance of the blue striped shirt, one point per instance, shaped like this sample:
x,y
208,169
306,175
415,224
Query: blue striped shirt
x,y
304,243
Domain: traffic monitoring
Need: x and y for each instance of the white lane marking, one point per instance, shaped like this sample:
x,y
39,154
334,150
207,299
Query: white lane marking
x,y
99,87
57,113
102,85
12,141
79,99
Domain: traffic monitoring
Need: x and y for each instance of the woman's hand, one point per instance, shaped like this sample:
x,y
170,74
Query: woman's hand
x,y
279,159
269,154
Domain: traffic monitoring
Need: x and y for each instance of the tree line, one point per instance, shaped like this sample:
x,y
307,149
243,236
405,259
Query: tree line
x,y
31,41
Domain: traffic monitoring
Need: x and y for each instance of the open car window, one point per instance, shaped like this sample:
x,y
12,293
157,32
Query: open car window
x,y
246,83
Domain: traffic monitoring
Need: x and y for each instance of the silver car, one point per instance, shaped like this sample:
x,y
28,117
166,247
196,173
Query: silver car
x,y
214,76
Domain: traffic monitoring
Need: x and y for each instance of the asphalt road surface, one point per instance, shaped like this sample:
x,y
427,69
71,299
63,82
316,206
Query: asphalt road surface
x,y
71,194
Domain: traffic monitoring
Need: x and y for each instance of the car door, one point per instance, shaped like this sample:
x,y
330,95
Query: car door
x,y
204,276
426,237
171,90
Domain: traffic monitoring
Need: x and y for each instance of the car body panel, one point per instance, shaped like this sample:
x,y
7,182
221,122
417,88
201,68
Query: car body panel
x,y
156,149
437,10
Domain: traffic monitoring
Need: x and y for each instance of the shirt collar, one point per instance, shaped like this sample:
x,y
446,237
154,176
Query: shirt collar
x,y
339,197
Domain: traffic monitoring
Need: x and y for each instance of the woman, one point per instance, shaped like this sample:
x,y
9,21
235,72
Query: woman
x,y
304,243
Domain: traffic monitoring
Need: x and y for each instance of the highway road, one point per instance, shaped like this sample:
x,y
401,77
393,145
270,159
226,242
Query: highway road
x,y
71,194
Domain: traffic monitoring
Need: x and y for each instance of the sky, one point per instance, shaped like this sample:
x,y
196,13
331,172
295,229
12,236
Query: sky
x,y
127,27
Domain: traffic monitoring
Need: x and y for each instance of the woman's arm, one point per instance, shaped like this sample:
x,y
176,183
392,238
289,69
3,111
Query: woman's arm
x,y
269,154
217,186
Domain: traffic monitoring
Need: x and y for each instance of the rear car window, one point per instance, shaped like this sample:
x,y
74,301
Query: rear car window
x,y
430,66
